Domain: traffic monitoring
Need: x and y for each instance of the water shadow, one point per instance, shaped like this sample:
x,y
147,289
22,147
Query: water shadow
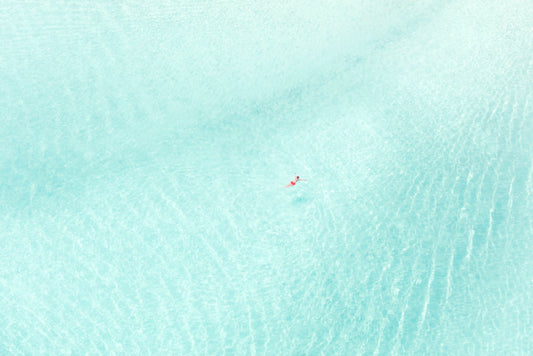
x,y
301,200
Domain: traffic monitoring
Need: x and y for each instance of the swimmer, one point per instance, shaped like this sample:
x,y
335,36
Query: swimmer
x,y
293,182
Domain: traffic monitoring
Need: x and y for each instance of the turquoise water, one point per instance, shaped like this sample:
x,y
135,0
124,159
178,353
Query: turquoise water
x,y
144,150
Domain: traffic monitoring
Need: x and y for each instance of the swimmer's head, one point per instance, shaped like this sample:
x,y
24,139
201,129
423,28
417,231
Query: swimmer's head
x,y
297,177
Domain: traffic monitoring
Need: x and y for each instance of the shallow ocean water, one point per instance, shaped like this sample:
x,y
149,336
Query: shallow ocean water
x,y
144,149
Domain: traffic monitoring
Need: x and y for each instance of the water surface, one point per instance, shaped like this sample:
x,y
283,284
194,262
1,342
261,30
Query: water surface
x,y
145,146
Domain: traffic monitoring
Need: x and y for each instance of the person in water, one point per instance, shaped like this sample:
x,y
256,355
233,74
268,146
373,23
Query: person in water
x,y
293,182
